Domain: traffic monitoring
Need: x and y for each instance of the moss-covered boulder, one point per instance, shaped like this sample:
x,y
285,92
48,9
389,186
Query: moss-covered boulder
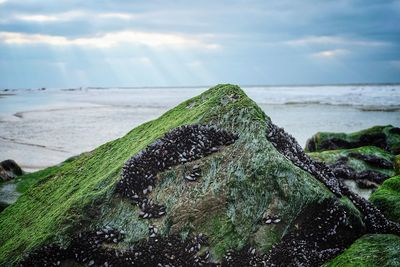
x,y
370,251
12,189
397,164
387,198
385,137
9,169
369,166
210,181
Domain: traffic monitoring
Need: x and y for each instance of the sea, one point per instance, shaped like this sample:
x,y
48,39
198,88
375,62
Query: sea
x,y
43,127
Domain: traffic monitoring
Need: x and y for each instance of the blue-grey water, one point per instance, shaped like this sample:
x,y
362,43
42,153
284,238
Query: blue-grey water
x,y
39,128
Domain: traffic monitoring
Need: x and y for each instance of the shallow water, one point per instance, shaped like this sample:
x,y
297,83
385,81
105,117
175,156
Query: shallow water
x,y
43,128
362,192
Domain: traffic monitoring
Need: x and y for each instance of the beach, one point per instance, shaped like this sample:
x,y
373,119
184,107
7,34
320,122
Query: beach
x,y
41,128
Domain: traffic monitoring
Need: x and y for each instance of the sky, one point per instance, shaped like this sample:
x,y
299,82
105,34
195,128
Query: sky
x,y
70,43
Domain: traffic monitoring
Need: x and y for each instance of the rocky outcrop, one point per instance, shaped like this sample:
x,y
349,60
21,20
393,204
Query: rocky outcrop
x,y
368,166
384,137
387,198
9,169
370,250
212,182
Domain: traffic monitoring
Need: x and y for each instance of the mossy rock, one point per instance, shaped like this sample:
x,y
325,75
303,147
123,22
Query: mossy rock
x,y
387,198
11,190
240,184
370,251
385,137
331,157
397,165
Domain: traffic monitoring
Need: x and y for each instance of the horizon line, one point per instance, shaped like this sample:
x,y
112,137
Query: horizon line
x,y
203,86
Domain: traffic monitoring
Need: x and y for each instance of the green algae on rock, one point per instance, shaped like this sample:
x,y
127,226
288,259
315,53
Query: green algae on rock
x,y
251,197
11,190
385,137
387,198
370,251
397,165
358,163
368,166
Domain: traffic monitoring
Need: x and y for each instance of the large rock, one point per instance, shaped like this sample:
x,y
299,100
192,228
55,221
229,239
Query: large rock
x,y
210,181
368,157
384,137
9,169
387,198
368,166
12,189
397,164
370,251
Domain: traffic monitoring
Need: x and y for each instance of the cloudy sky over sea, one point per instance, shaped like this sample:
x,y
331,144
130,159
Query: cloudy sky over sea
x,y
170,43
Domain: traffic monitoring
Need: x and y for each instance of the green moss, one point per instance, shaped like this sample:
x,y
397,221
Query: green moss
x,y
238,185
224,235
387,198
370,251
392,139
397,165
332,156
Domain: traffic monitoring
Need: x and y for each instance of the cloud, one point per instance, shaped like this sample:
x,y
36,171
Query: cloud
x,y
123,16
150,39
333,40
67,16
145,60
330,53
42,18
195,64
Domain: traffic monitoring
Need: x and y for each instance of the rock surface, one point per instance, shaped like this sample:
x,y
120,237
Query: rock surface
x,y
211,182
384,137
387,198
9,169
371,251
369,166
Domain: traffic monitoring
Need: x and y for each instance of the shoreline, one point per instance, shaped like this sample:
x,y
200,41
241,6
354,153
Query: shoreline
x,y
51,126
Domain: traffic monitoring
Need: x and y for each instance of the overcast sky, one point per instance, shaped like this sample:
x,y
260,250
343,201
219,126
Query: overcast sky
x,y
47,43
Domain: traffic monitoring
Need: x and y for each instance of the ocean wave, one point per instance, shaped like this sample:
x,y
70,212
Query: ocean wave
x,y
366,108
381,108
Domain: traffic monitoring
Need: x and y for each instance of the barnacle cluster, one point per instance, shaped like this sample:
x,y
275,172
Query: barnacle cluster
x,y
377,139
374,220
366,178
288,146
314,240
95,249
181,145
322,231
86,247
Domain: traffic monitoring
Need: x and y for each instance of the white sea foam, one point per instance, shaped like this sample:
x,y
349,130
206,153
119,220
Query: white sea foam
x,y
374,96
